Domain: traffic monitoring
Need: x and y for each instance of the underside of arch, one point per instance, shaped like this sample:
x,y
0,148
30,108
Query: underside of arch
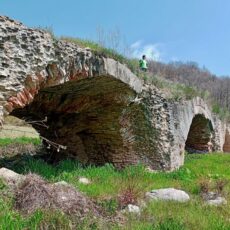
x,y
97,120
199,139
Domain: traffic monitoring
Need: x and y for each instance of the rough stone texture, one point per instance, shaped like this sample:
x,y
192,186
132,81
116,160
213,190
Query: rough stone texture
x,y
31,59
168,194
95,106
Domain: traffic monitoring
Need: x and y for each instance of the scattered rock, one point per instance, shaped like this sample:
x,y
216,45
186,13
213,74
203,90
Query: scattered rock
x,y
168,194
217,202
130,208
10,177
215,199
84,180
133,209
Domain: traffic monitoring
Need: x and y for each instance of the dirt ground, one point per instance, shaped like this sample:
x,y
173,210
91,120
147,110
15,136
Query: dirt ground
x,y
12,131
14,127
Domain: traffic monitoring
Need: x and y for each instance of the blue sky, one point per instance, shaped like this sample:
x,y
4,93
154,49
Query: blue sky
x,y
167,30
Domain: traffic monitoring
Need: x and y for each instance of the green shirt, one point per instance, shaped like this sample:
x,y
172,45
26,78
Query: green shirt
x,y
143,64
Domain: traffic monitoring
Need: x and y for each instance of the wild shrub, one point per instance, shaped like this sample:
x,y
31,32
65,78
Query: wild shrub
x,y
205,185
220,185
131,189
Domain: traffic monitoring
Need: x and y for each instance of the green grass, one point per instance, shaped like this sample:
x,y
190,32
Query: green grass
x,y
19,140
108,183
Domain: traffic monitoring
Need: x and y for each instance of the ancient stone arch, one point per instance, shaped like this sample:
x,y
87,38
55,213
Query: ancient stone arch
x,y
199,139
94,105
193,127
94,118
90,102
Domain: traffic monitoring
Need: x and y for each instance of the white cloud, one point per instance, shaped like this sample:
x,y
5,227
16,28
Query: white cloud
x,y
150,50
136,45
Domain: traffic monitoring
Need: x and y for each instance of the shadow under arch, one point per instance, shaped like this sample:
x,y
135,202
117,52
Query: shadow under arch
x,y
200,135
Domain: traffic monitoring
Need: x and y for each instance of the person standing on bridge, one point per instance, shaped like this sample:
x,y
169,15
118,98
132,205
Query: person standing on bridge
x,y
143,64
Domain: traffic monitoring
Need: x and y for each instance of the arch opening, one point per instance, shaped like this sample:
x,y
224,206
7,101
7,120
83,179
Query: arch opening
x,y
226,147
199,139
95,118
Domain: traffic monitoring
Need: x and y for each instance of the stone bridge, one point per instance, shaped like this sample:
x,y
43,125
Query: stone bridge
x,y
95,106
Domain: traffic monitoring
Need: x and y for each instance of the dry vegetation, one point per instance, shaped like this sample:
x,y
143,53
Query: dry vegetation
x,y
35,193
216,90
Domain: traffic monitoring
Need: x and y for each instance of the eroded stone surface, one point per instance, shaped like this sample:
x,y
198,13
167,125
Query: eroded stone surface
x,y
31,60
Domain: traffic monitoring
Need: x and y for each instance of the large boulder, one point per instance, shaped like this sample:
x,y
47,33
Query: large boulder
x,y
168,194
214,199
